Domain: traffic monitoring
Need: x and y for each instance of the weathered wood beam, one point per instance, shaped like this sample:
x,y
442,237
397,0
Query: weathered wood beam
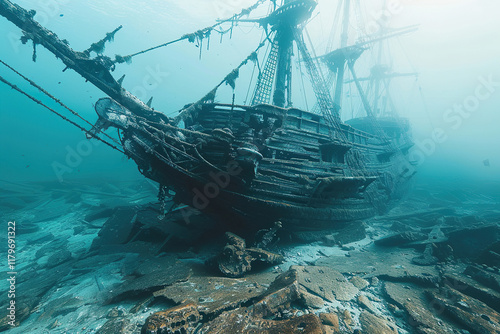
x,y
94,70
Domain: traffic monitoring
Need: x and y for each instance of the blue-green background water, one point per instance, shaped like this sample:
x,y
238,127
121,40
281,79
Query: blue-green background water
x,y
457,43
455,50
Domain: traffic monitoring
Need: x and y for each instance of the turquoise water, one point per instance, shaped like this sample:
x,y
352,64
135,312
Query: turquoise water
x,y
449,74
54,179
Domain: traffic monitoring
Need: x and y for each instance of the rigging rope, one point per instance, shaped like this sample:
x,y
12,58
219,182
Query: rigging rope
x,y
228,79
303,85
255,65
87,132
198,35
57,101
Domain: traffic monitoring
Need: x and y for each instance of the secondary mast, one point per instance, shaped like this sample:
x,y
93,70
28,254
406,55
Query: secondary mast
x,y
343,43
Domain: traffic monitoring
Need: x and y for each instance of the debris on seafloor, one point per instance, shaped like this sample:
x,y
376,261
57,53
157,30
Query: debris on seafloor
x,y
447,282
150,275
268,312
421,285
235,259
180,319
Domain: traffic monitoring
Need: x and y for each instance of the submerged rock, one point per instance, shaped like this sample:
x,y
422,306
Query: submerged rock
x,y
401,239
473,289
243,321
472,242
117,325
485,277
365,303
427,258
388,264
117,229
309,285
490,256
156,273
420,314
474,315
326,282
180,319
311,300
375,325
59,258
359,282
330,319
215,294
281,293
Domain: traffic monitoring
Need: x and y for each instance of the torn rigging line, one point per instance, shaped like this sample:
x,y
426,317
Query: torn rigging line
x,y
200,34
229,79
57,101
2,79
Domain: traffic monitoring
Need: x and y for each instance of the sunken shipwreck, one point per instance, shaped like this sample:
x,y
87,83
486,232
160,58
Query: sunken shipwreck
x,y
249,167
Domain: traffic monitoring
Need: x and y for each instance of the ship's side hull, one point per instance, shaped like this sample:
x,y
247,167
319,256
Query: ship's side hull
x,y
257,165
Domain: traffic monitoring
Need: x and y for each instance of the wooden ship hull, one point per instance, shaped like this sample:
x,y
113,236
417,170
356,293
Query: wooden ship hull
x,y
249,165
276,164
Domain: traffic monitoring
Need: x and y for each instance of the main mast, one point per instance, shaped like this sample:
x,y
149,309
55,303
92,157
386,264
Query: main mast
x,y
285,21
282,90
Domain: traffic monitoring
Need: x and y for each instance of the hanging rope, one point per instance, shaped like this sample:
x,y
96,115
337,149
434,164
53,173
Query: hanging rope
x,y
98,47
87,132
58,101
303,85
195,36
229,80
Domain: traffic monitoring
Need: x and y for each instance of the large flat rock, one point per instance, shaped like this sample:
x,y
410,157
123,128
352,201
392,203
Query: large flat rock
x,y
243,322
375,325
420,314
325,282
216,294
469,312
388,264
151,275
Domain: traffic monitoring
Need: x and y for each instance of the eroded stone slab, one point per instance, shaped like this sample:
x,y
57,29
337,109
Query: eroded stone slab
x,y
359,282
375,325
389,264
401,239
214,294
153,277
117,325
242,321
180,319
420,314
325,282
471,313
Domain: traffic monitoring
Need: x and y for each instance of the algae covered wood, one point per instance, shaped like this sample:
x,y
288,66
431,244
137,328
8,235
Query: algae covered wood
x,y
96,70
